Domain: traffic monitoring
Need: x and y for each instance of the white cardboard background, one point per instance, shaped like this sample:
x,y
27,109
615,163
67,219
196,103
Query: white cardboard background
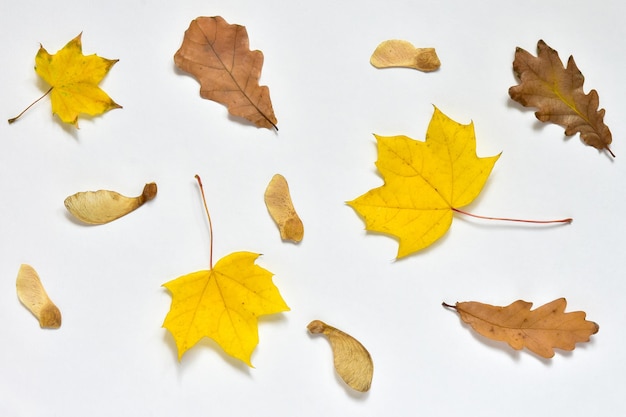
x,y
111,356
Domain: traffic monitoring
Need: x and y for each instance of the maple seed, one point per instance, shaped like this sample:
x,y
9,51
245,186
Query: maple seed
x,y
400,53
352,361
33,296
540,330
103,206
280,206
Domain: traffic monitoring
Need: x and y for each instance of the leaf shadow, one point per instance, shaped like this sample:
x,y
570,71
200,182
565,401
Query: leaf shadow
x,y
69,129
245,122
82,118
538,126
195,353
420,253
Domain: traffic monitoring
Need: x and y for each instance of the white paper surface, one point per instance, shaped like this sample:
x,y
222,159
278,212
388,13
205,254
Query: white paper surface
x,y
112,357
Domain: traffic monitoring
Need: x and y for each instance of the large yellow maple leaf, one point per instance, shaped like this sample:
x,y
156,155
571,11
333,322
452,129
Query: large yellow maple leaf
x,y
74,80
223,303
425,182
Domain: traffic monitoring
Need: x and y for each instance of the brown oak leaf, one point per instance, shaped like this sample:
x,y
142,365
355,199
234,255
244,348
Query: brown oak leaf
x,y
218,55
558,94
540,330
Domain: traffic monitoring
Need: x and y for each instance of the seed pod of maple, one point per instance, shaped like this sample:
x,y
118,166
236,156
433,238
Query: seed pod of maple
x,y
278,202
352,361
103,206
400,53
31,293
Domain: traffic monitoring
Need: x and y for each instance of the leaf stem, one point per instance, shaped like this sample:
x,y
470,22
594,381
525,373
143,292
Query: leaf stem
x,y
206,209
568,220
30,105
446,305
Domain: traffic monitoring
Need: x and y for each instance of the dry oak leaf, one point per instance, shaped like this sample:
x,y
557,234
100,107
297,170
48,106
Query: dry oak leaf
x,y
540,330
218,55
224,304
558,94
425,182
73,79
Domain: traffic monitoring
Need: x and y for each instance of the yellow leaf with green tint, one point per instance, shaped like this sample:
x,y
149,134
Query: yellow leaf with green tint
x,y
73,79
424,183
224,304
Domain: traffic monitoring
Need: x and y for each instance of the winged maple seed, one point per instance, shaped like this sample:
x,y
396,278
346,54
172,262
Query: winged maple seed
x,y
33,296
540,330
104,206
425,183
401,53
73,79
558,94
352,361
223,302
219,56
280,207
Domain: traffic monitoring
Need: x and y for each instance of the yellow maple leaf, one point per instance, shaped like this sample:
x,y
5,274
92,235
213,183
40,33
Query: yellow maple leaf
x,y
425,182
223,303
73,79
